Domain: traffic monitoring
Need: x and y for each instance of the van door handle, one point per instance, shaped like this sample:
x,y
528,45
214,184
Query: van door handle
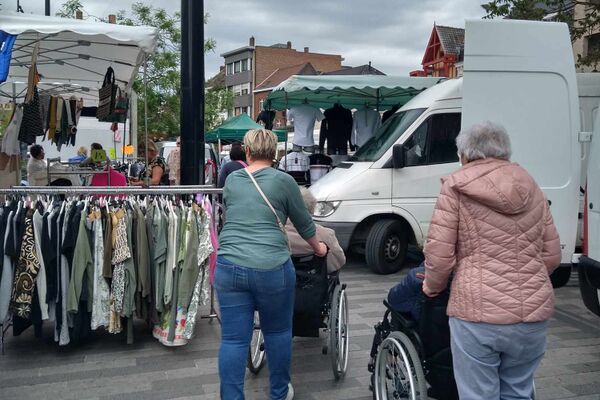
x,y
375,193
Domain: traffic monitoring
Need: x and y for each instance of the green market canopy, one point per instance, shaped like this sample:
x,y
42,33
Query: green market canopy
x,y
234,129
351,91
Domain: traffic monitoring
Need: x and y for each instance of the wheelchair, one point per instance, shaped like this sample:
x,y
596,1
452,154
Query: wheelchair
x,y
321,304
410,358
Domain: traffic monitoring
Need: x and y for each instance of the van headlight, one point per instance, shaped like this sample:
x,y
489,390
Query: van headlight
x,y
326,208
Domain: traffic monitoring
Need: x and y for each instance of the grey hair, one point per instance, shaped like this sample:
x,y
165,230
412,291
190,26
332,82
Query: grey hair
x,y
484,140
309,200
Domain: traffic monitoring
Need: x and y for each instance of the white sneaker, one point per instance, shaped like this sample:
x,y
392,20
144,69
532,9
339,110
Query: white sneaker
x,y
290,393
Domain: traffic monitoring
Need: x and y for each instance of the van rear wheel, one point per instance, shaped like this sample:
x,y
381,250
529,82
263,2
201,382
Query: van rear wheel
x,y
386,246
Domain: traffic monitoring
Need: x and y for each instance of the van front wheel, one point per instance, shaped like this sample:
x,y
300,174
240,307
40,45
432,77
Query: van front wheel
x,y
386,246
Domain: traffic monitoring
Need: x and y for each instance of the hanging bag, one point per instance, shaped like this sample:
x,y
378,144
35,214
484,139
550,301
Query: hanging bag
x,y
279,223
119,113
31,125
107,96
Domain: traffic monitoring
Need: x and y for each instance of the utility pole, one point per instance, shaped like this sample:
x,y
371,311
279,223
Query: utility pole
x,y
47,8
192,92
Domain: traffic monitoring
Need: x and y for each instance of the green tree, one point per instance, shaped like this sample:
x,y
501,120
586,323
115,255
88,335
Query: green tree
x,y
218,100
555,10
163,92
69,8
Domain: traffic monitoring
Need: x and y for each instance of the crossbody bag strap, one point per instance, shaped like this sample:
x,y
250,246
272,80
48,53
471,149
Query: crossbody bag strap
x,y
281,226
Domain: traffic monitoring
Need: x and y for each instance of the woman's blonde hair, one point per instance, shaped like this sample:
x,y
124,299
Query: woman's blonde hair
x,y
82,151
148,147
261,143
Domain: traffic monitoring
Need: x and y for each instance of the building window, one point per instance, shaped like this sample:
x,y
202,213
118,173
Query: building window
x,y
245,110
238,110
230,69
249,64
261,104
593,44
236,67
245,88
245,65
237,90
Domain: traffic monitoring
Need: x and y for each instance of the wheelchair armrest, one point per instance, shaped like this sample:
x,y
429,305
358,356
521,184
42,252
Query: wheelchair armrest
x,y
404,322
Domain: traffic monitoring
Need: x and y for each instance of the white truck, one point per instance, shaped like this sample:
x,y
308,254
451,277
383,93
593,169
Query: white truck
x,y
520,74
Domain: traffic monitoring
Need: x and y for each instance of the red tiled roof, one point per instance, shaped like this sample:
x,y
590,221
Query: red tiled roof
x,y
281,74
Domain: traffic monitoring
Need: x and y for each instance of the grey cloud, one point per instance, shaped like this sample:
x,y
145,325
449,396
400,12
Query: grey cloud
x,y
392,34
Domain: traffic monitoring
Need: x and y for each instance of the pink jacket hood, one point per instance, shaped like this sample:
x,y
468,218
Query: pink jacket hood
x,y
500,185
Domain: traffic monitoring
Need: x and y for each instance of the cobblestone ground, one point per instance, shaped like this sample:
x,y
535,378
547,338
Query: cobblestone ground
x,y
107,368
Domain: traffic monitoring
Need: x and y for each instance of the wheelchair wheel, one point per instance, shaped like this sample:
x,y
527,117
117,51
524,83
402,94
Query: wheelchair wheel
x,y
398,370
338,331
256,354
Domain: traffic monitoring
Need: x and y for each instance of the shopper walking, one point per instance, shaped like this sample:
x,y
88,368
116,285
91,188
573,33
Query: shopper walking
x,y
237,161
254,270
492,228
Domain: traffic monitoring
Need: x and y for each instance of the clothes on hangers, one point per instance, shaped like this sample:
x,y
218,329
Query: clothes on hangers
x,y
336,130
366,122
10,148
304,117
53,266
266,117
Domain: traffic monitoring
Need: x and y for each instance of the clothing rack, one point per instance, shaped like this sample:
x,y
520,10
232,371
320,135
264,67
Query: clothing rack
x,y
75,170
111,190
123,190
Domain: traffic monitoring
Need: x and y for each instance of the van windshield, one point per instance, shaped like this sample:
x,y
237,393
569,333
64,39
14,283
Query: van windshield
x,y
386,136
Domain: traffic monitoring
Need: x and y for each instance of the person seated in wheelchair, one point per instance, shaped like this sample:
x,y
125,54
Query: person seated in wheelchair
x,y
406,297
424,319
335,257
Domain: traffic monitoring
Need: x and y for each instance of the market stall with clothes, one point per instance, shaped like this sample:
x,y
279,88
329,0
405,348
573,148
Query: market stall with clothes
x,y
54,69
348,108
82,259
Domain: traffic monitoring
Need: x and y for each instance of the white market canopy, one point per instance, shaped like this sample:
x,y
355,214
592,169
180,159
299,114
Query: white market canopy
x,y
73,54
351,91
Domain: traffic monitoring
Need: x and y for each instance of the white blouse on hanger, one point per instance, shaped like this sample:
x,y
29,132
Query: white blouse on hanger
x,y
10,141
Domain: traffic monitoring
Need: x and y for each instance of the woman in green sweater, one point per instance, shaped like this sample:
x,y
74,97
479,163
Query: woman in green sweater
x,y
254,269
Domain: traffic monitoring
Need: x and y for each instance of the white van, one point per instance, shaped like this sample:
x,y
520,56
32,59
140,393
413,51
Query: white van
x,y
516,73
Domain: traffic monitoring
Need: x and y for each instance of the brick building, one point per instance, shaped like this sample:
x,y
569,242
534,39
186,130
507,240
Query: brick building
x,y
254,65
443,53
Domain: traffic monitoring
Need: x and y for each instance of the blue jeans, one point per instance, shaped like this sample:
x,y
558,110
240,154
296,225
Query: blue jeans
x,y
496,361
240,291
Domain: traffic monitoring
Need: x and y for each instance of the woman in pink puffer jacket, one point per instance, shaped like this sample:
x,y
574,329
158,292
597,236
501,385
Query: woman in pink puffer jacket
x,y
493,230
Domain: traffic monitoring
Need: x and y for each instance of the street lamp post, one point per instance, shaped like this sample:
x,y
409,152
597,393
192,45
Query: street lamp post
x,y
192,92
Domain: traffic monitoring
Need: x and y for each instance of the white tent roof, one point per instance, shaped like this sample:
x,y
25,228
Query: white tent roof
x,y
73,54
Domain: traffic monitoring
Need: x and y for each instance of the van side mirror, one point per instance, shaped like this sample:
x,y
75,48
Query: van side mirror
x,y
398,156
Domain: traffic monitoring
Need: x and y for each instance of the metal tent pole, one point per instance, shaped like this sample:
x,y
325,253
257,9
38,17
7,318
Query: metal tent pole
x,y
147,177
192,92
47,8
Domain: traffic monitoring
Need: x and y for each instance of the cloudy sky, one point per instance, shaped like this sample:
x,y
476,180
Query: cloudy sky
x,y
392,34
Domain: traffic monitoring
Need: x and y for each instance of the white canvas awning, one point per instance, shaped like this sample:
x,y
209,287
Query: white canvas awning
x,y
73,54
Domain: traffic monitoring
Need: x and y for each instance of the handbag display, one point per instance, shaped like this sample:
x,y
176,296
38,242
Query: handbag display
x,y
119,113
107,96
31,125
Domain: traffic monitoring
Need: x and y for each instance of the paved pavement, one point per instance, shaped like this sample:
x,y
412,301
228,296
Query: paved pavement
x,y
107,368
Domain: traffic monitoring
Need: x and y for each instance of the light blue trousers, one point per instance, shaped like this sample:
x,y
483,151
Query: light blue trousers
x,y
496,361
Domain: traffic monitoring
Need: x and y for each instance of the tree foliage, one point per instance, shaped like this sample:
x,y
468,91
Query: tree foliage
x,y
580,25
69,8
